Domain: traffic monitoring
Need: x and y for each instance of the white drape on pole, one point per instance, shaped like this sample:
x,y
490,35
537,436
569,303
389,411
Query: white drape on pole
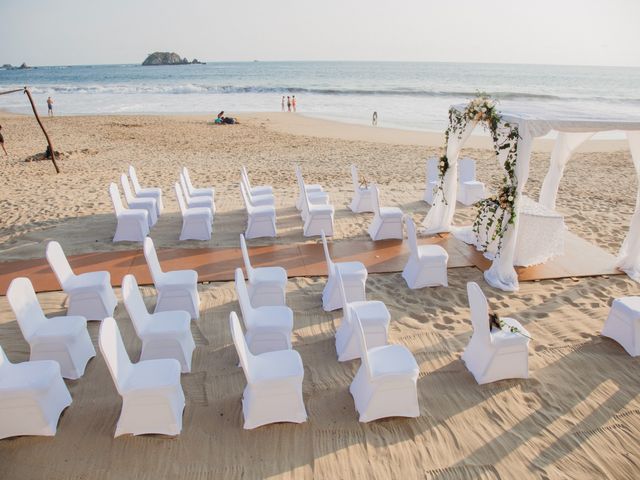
x,y
440,215
629,256
566,144
502,274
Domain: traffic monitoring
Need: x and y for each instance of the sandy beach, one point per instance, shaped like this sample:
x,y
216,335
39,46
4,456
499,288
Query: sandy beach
x,y
577,416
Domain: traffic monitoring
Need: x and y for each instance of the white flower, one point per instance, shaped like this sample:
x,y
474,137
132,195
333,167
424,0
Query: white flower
x,y
510,198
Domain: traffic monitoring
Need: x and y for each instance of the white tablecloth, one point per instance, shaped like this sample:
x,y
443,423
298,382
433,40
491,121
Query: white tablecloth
x,y
540,235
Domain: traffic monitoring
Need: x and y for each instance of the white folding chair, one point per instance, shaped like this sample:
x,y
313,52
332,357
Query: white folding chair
x,y
427,264
432,180
257,199
200,201
142,203
354,278
257,190
163,334
196,222
152,397
375,320
361,201
90,294
386,382
623,324
63,339
177,290
197,192
261,220
151,192
133,225
313,197
387,221
469,189
32,397
494,354
268,328
274,383
267,285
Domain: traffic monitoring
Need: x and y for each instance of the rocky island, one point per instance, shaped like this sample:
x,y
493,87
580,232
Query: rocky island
x,y
8,66
168,58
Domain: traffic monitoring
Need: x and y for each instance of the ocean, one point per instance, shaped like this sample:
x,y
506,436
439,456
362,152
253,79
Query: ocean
x,y
405,95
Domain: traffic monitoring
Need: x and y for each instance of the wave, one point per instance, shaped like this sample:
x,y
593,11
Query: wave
x,y
194,88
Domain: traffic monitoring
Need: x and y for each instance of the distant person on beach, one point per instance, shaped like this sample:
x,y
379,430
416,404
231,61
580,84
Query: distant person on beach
x,y
288,103
2,142
282,103
293,103
374,122
50,107
220,118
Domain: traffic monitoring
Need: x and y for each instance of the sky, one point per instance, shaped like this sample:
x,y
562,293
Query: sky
x,y
566,32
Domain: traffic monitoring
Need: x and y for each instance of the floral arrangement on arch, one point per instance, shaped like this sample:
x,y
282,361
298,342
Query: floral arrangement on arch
x,y
496,213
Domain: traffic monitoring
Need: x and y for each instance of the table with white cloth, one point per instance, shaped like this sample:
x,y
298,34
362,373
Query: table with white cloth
x,y
541,233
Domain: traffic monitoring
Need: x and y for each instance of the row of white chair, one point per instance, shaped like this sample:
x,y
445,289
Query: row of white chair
x,y
144,205
32,394
469,189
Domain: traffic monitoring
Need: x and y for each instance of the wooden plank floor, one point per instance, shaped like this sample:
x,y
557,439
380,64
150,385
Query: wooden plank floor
x,y
218,264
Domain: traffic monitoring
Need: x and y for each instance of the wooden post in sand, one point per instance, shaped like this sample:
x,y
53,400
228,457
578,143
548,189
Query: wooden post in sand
x,y
35,112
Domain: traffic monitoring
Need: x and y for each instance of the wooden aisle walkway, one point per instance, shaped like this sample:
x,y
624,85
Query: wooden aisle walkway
x,y
302,260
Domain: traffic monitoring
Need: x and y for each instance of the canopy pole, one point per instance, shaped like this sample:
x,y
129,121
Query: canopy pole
x,y
35,112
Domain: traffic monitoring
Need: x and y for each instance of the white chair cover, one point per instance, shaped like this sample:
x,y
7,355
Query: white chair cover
x,y
427,264
255,190
177,290
142,203
196,222
274,383
354,278
90,294
32,397
196,201
261,220
493,355
386,382
623,324
387,221
63,339
268,328
375,320
469,190
267,285
152,397
163,334
318,217
132,225
361,201
197,192
151,192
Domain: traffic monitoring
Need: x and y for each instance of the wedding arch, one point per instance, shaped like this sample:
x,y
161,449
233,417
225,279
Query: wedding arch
x,y
512,130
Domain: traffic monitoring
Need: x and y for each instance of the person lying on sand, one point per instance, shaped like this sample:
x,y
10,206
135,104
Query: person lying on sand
x,y
221,119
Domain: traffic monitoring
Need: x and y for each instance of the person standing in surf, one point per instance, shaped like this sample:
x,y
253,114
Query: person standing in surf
x,y
2,142
293,103
50,107
282,103
288,103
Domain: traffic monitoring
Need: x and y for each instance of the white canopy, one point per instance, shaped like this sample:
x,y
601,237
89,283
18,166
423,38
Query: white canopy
x,y
574,127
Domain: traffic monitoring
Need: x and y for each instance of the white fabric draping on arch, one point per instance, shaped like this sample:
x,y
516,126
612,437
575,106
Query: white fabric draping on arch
x,y
535,121
441,213
565,145
629,256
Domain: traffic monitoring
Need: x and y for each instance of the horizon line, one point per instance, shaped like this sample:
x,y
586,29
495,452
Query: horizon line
x,y
335,61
